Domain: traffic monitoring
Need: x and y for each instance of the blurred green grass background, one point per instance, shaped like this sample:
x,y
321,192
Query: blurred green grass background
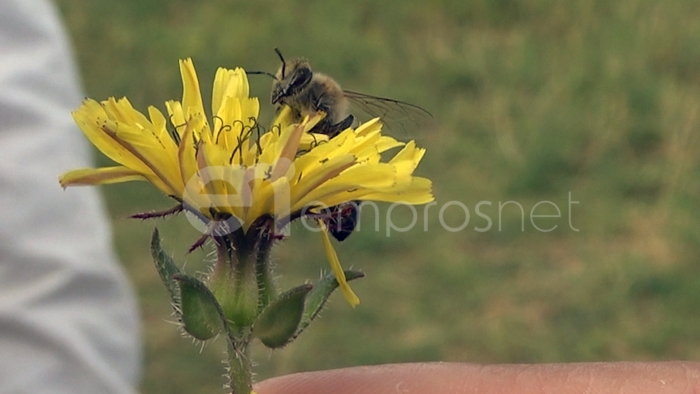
x,y
533,100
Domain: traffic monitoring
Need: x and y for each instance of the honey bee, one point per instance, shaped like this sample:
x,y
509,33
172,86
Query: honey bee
x,y
307,92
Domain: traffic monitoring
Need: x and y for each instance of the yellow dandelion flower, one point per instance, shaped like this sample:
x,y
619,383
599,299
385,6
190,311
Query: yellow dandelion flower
x,y
224,165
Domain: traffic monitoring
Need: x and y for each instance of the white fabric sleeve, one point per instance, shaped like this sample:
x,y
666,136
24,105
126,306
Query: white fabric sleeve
x,y
68,317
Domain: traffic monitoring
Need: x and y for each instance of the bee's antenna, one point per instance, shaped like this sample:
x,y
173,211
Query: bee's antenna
x,y
277,51
262,73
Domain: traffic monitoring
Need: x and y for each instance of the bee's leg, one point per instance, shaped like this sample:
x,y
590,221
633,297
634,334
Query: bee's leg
x,y
345,123
335,129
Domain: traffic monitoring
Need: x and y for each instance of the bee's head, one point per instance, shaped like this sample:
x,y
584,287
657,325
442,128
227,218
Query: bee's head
x,y
291,78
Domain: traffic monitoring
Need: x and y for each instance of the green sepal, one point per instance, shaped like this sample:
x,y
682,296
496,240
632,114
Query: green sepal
x,y
166,267
266,289
237,293
278,323
200,312
319,295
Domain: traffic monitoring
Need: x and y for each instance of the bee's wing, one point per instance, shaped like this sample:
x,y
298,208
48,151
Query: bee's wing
x,y
393,112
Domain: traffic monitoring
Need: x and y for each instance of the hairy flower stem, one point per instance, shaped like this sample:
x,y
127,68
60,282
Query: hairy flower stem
x,y
242,282
239,366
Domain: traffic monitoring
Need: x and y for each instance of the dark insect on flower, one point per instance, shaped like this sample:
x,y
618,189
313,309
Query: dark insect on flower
x,y
342,219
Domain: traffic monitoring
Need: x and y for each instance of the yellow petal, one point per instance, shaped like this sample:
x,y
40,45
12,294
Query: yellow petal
x,y
134,145
306,179
91,118
159,126
186,151
223,185
284,118
419,191
270,198
288,145
409,157
99,176
385,143
349,295
371,126
360,178
177,115
191,96
220,90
